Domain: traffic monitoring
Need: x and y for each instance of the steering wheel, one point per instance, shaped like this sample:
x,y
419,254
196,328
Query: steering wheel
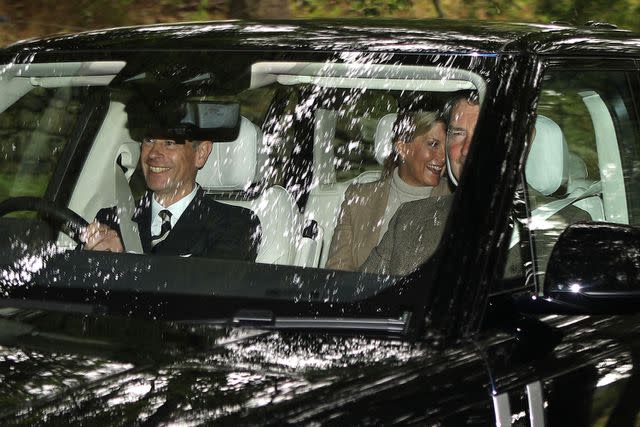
x,y
67,220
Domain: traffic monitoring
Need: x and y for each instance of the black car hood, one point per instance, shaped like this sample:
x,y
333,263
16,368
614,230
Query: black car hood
x,y
106,371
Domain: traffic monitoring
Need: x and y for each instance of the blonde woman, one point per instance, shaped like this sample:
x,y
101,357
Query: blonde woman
x,y
412,171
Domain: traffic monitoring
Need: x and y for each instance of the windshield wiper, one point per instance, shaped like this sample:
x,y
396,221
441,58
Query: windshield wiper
x,y
266,319
67,307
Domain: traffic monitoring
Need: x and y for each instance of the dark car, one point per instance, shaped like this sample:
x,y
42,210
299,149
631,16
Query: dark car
x,y
526,313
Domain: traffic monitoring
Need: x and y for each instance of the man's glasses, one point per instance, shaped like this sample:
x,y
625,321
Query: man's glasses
x,y
456,135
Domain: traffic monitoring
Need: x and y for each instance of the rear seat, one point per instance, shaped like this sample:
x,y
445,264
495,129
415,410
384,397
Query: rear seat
x,y
326,195
231,169
578,182
554,171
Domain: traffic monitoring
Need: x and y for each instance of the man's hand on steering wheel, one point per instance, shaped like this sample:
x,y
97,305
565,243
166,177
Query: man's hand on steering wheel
x,y
99,237
62,218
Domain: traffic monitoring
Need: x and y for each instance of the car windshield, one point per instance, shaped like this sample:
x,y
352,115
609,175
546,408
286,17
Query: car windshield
x,y
311,154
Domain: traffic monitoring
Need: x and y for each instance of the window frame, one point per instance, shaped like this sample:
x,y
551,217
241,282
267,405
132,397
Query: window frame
x,y
627,65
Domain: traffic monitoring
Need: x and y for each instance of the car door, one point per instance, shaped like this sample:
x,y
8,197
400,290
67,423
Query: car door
x,y
582,166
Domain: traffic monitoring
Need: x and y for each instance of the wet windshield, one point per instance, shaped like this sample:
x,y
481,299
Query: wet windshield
x,y
229,174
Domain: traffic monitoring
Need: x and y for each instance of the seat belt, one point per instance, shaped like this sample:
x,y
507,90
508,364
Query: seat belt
x,y
544,212
126,208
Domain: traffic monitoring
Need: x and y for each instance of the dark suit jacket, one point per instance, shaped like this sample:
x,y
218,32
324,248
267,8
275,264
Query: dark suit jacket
x,y
205,229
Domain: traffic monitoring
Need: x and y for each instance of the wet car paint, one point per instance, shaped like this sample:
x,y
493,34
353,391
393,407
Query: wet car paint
x,y
223,375
119,372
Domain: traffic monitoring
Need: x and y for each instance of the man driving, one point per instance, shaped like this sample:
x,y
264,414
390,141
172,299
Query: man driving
x,y
175,217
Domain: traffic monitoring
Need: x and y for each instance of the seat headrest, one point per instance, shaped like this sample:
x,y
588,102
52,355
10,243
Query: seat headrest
x,y
237,164
548,162
383,138
577,167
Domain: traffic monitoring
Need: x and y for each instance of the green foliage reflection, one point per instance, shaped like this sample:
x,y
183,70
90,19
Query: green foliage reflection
x,y
33,19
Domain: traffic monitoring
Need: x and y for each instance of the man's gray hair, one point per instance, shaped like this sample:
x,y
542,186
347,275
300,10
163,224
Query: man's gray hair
x,y
470,96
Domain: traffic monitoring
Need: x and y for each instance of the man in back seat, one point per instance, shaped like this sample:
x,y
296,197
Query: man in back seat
x,y
175,217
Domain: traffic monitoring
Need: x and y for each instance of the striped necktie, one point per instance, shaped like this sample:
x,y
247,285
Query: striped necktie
x,y
165,228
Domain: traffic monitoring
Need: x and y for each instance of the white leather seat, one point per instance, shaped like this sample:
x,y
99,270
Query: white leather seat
x,y
109,166
548,162
232,168
579,182
235,165
383,138
326,195
553,170
578,174
324,159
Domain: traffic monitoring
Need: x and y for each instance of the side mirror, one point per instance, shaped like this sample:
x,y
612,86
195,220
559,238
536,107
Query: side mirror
x,y
595,268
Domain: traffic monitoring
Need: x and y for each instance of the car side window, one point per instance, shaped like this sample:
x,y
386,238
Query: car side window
x,y
583,161
33,132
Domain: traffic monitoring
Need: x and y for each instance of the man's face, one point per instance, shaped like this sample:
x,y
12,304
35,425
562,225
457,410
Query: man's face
x,y
460,133
170,168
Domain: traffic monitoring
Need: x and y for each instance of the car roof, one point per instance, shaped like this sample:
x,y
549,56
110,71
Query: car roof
x,y
380,35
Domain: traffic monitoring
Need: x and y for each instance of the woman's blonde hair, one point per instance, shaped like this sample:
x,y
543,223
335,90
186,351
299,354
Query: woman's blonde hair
x,y
406,127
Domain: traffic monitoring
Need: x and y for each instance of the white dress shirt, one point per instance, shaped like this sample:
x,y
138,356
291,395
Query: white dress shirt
x,y
176,210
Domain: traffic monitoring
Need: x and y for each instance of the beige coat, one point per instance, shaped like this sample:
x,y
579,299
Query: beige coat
x,y
360,220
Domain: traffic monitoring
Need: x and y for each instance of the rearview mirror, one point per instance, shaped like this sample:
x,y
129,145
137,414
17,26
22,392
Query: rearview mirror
x,y
185,120
595,268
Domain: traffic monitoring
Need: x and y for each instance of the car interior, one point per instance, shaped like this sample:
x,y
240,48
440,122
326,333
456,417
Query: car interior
x,y
240,172
580,178
346,143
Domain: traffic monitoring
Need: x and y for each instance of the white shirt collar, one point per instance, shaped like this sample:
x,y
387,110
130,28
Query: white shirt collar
x,y
176,209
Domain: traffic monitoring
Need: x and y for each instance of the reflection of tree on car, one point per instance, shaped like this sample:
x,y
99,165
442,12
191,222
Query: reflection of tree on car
x,y
24,169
